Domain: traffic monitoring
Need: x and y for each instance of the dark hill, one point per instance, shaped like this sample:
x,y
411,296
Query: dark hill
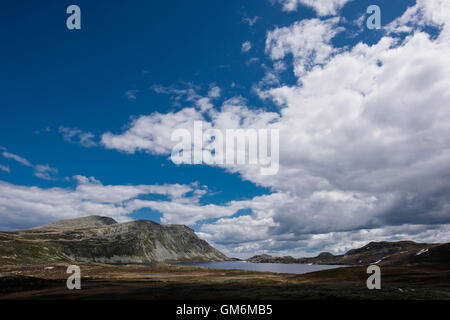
x,y
102,239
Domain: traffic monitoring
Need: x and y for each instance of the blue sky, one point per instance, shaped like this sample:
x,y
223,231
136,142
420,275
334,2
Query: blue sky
x,y
63,90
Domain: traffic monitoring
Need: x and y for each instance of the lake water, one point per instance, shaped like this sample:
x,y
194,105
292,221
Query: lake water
x,y
264,267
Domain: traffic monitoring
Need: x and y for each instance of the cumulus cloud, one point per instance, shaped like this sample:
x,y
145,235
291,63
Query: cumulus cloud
x,y
365,140
33,206
434,13
214,92
322,7
364,145
151,133
308,41
335,242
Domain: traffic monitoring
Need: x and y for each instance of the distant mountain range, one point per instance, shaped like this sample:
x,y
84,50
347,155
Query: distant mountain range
x,y
383,253
103,240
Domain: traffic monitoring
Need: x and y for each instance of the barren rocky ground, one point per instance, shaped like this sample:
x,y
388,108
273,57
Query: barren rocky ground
x,y
168,282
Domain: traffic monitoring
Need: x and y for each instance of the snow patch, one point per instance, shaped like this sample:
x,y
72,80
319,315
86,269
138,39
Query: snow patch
x,y
421,251
377,261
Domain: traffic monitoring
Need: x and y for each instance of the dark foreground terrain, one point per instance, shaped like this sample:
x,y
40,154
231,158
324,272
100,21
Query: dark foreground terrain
x,y
166,282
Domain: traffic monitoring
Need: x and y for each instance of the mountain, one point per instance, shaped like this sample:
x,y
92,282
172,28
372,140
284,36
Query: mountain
x,y
265,258
383,253
103,240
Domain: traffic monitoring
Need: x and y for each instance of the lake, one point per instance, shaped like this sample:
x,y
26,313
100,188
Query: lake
x,y
264,267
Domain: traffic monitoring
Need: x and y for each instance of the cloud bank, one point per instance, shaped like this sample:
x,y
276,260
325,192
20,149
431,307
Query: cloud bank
x,y
364,144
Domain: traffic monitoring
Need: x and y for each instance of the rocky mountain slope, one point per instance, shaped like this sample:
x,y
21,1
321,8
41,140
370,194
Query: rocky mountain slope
x,y
383,253
103,240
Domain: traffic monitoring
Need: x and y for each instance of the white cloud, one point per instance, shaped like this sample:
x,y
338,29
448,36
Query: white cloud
x,y
190,94
44,172
151,133
132,94
214,92
246,46
75,135
41,171
250,21
434,13
308,41
33,206
17,158
312,244
365,147
322,7
365,142
252,60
